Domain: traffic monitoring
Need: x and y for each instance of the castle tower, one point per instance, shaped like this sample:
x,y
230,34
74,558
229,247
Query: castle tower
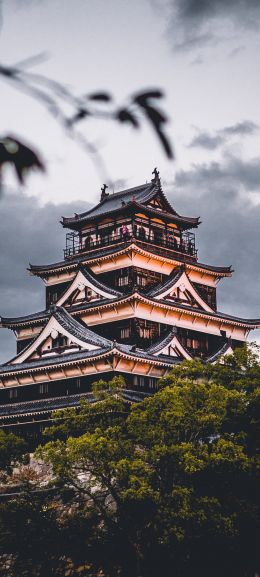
x,y
130,298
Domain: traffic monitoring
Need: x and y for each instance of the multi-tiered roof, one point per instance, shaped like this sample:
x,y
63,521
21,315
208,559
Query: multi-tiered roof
x,y
130,297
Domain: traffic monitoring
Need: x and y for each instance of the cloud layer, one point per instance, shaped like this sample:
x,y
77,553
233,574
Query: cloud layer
x,y
222,193
212,141
28,233
199,22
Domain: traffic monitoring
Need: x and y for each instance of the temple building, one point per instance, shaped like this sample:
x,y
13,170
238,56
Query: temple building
x,y
130,297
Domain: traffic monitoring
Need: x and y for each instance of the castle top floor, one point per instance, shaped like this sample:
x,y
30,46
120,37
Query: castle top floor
x,y
142,213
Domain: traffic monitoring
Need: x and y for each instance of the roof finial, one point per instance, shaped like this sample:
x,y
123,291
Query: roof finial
x,y
104,194
156,178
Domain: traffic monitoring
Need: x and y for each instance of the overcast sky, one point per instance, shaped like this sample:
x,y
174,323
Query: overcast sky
x,y
204,55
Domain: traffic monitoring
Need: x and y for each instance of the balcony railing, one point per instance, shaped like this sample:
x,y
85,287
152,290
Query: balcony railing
x,y
74,246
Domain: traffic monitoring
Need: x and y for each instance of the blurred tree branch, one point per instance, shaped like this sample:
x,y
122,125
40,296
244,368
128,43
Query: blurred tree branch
x,y
70,111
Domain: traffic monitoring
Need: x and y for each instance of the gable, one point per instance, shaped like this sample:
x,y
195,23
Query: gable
x,y
53,340
82,289
174,349
183,291
160,202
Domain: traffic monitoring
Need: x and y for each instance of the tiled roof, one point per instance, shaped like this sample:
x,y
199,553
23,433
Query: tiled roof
x,y
43,405
106,251
221,351
162,342
78,330
168,283
56,360
47,405
9,321
165,303
72,262
93,279
114,201
53,360
139,195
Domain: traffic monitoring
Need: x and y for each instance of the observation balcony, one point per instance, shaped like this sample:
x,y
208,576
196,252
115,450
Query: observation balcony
x,y
75,245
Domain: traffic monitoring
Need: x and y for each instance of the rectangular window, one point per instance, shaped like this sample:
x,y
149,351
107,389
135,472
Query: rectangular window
x,y
138,381
13,394
152,382
123,280
43,388
125,333
141,280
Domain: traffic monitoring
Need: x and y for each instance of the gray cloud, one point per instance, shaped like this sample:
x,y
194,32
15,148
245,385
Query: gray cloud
x,y
211,141
229,233
200,22
207,140
28,233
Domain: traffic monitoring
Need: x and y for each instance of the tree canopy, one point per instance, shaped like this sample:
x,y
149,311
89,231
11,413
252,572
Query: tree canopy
x,y
165,487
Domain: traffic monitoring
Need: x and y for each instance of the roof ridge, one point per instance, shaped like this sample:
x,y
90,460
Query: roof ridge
x,y
110,196
93,277
173,277
219,352
162,341
89,336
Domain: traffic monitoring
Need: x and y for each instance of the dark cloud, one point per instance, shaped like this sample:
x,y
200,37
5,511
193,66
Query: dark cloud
x,y
200,22
211,141
244,128
28,233
229,233
206,140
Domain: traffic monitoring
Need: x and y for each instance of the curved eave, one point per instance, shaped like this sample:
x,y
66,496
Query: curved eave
x,y
93,279
53,362
40,366
219,353
37,407
147,190
167,305
66,265
186,222
167,284
14,323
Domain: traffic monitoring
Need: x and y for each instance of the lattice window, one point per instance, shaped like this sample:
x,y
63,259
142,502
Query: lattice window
x,y
125,333
123,280
43,388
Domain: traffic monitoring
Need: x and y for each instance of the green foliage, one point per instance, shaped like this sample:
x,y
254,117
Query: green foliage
x,y
168,487
12,451
109,408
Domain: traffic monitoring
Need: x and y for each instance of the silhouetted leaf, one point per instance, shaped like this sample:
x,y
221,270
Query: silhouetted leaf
x,y
124,115
156,117
100,96
80,115
23,158
165,142
142,98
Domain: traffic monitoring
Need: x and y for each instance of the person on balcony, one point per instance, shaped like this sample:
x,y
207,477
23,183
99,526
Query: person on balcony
x,y
190,247
141,233
124,232
88,241
171,239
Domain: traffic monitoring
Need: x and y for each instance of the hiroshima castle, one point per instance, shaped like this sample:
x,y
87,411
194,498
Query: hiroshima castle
x,y
130,298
